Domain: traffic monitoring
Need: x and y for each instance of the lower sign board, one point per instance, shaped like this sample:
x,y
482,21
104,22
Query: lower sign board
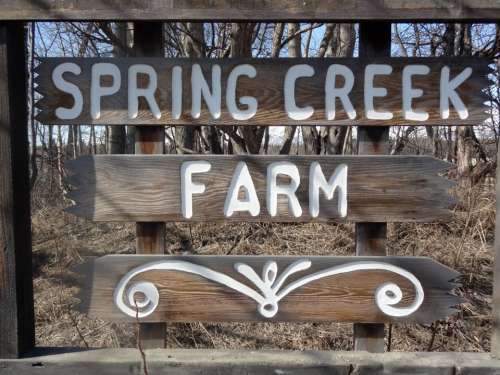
x,y
261,288
146,188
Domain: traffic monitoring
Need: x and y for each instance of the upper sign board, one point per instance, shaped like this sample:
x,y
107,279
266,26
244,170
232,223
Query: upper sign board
x,y
251,10
330,91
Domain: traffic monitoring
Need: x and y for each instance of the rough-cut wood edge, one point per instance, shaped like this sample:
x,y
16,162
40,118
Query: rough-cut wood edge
x,y
246,10
239,362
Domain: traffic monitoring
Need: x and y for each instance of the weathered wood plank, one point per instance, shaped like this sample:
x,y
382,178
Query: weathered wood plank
x,y
148,188
255,10
263,104
239,362
17,327
224,288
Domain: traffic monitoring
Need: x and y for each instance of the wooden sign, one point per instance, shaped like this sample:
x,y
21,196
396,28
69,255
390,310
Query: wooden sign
x,y
231,288
251,10
156,188
327,91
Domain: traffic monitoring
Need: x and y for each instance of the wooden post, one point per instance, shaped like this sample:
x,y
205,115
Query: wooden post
x,y
148,41
495,339
374,41
17,331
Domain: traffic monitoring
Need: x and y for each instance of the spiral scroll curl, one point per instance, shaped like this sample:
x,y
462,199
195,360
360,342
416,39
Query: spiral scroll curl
x,y
270,285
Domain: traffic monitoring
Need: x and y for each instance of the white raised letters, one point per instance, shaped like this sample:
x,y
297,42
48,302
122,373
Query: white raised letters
x,y
176,92
147,93
97,91
337,182
70,88
274,188
295,72
448,93
188,187
332,92
241,180
409,93
251,103
371,71
199,87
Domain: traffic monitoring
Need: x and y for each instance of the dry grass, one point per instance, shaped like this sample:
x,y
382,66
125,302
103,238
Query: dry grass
x,y
61,240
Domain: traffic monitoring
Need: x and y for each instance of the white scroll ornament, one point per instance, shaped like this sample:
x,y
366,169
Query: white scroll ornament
x,y
269,284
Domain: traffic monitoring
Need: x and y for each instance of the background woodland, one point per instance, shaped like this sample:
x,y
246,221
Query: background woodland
x,y
61,240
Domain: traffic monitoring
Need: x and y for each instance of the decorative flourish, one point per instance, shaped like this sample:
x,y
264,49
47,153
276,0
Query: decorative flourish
x,y
270,285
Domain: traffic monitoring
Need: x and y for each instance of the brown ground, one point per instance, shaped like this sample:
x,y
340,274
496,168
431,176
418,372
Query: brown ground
x,y
61,240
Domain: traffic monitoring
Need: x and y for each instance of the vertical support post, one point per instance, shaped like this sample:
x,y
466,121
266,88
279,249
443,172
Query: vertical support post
x,y
374,41
495,339
148,42
17,328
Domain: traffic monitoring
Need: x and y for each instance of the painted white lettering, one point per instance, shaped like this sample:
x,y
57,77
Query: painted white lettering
x,y
70,88
317,181
147,93
370,91
200,88
448,93
176,92
188,187
236,113
274,189
409,93
295,72
97,91
332,92
241,180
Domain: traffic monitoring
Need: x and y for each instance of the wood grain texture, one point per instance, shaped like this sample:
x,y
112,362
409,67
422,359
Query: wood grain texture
x,y
17,327
349,297
268,89
147,188
251,10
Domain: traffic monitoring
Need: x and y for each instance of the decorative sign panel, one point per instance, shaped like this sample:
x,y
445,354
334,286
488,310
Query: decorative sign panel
x,y
156,188
250,10
327,91
230,288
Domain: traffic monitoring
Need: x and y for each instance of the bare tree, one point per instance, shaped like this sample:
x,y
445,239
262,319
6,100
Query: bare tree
x,y
117,135
193,45
342,43
245,139
292,46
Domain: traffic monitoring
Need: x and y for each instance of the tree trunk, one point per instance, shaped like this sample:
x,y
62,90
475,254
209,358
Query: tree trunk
x,y
310,137
117,136
465,134
193,44
294,50
342,42
241,46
